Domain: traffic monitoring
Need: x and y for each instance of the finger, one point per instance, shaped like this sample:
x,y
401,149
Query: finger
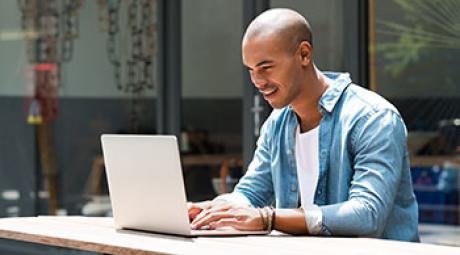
x,y
193,212
201,205
219,208
241,222
195,208
227,222
210,218
206,212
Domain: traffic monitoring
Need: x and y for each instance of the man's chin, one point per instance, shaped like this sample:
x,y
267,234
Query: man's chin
x,y
276,105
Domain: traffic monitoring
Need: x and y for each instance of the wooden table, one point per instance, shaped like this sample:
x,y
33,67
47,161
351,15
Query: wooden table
x,y
98,235
440,234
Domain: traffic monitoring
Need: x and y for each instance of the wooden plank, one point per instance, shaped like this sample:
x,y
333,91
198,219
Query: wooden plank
x,y
429,161
98,235
56,235
95,235
207,159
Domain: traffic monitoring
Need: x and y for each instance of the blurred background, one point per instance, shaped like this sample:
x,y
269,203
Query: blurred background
x,y
73,70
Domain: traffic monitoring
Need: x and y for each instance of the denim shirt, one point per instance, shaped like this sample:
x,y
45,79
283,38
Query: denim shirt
x,y
364,186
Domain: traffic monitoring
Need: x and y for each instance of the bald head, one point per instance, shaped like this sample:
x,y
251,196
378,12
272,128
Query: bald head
x,y
286,26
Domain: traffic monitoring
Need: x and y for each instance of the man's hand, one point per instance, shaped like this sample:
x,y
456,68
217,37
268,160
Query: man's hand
x,y
196,208
228,215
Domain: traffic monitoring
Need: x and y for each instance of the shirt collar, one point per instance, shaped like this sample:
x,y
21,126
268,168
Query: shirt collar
x,y
338,82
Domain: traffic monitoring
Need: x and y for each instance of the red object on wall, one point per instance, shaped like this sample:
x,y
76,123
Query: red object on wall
x,y
44,101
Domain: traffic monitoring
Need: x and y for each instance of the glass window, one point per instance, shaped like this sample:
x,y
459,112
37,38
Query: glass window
x,y
212,90
326,20
415,48
60,89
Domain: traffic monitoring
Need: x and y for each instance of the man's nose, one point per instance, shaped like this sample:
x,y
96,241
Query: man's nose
x,y
259,80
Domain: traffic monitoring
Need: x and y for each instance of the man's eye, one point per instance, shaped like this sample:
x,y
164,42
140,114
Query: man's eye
x,y
266,67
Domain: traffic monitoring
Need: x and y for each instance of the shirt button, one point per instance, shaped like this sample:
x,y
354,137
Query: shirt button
x,y
323,153
319,192
289,152
293,188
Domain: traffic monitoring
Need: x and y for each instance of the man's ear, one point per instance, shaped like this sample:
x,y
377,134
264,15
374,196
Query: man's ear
x,y
305,52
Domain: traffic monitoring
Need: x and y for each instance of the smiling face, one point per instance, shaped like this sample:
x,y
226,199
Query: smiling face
x,y
275,68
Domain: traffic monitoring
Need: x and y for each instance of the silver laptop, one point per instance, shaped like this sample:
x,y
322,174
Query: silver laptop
x,y
146,185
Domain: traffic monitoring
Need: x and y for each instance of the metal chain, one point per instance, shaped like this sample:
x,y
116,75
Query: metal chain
x,y
28,12
50,26
41,23
102,15
149,39
112,46
70,29
133,72
141,37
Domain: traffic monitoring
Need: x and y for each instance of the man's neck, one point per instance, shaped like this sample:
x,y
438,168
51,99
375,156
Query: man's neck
x,y
306,107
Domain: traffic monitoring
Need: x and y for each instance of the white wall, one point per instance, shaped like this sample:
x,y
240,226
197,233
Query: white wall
x,y
12,51
211,49
89,74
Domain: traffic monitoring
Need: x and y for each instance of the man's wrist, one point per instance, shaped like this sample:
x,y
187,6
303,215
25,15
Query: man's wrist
x,y
234,198
263,218
267,215
218,200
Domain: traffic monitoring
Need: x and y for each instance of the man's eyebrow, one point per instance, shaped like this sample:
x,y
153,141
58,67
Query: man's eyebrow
x,y
264,62
261,63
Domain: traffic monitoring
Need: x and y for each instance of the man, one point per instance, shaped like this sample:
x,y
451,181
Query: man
x,y
332,156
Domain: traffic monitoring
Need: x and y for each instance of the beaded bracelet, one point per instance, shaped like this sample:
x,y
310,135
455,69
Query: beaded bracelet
x,y
264,218
269,218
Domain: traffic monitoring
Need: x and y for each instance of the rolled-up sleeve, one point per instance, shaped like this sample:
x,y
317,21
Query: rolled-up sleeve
x,y
378,142
256,185
313,219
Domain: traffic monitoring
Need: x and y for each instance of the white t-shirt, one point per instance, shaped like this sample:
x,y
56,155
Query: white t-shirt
x,y
306,152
